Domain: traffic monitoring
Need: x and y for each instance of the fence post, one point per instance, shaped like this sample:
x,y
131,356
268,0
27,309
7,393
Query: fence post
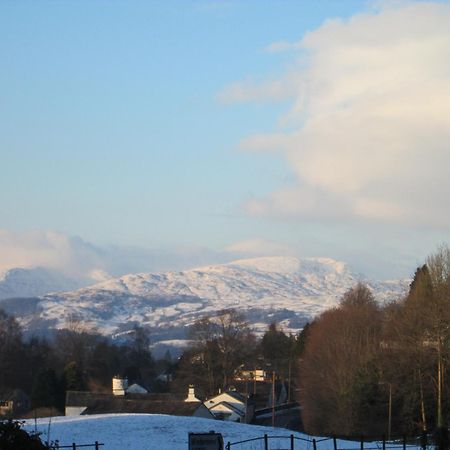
x,y
292,442
228,445
423,440
266,442
362,442
335,443
384,442
314,444
404,442
96,445
74,446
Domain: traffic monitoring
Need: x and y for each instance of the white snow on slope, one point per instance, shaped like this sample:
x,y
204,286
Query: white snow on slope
x,y
283,289
30,282
150,432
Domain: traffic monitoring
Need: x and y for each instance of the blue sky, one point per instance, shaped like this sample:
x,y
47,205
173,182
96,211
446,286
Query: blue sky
x,y
202,125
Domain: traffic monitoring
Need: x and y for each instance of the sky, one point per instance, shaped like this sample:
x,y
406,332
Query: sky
x,y
140,135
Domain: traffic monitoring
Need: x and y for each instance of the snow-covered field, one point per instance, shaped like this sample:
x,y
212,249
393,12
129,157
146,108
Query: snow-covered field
x,y
160,432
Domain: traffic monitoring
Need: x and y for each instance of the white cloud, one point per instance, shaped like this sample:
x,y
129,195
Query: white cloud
x,y
80,260
47,249
371,119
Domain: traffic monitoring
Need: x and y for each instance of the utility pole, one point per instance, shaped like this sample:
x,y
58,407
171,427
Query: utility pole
x,y
389,407
273,398
390,412
289,382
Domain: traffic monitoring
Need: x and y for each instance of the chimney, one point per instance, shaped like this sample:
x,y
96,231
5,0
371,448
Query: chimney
x,y
119,385
191,395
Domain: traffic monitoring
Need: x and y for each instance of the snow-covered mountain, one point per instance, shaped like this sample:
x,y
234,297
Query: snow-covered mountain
x,y
288,290
26,282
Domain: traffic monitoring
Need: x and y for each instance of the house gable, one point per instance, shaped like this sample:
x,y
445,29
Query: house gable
x,y
233,398
226,411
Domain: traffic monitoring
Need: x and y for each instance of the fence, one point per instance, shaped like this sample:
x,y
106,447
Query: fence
x,y
55,446
266,438
297,443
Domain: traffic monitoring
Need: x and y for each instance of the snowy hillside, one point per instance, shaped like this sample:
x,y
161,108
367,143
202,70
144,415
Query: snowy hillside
x,y
288,290
21,282
149,432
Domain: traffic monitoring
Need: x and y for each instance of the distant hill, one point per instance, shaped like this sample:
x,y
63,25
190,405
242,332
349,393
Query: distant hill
x,y
31,282
288,290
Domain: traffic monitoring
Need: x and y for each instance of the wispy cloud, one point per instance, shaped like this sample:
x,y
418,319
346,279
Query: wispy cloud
x,y
79,259
48,249
371,118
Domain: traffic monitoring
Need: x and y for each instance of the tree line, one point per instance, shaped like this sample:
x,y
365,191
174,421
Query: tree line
x,y
372,370
221,346
363,368
74,359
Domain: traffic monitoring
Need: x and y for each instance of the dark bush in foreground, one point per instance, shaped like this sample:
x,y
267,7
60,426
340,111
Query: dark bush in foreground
x,y
13,437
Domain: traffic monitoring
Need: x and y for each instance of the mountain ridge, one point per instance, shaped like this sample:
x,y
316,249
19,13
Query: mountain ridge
x,y
291,291
34,281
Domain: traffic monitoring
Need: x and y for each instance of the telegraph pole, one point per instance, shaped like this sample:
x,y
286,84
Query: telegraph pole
x,y
273,398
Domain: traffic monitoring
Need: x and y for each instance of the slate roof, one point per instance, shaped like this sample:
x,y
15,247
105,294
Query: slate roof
x,y
236,395
124,405
83,398
161,397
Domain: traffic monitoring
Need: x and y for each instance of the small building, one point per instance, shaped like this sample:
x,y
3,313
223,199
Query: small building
x,y
6,408
227,411
146,405
13,402
252,375
134,399
284,416
230,406
78,401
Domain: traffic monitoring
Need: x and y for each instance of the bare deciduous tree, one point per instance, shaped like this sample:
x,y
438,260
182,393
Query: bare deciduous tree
x,y
221,344
338,376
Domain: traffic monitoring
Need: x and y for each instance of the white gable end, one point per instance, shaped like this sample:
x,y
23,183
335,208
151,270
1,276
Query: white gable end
x,y
225,397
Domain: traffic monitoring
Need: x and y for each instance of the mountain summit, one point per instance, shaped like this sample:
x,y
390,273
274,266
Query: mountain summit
x,y
288,290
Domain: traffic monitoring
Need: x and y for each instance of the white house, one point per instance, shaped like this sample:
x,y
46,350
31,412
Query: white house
x,y
226,411
229,406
